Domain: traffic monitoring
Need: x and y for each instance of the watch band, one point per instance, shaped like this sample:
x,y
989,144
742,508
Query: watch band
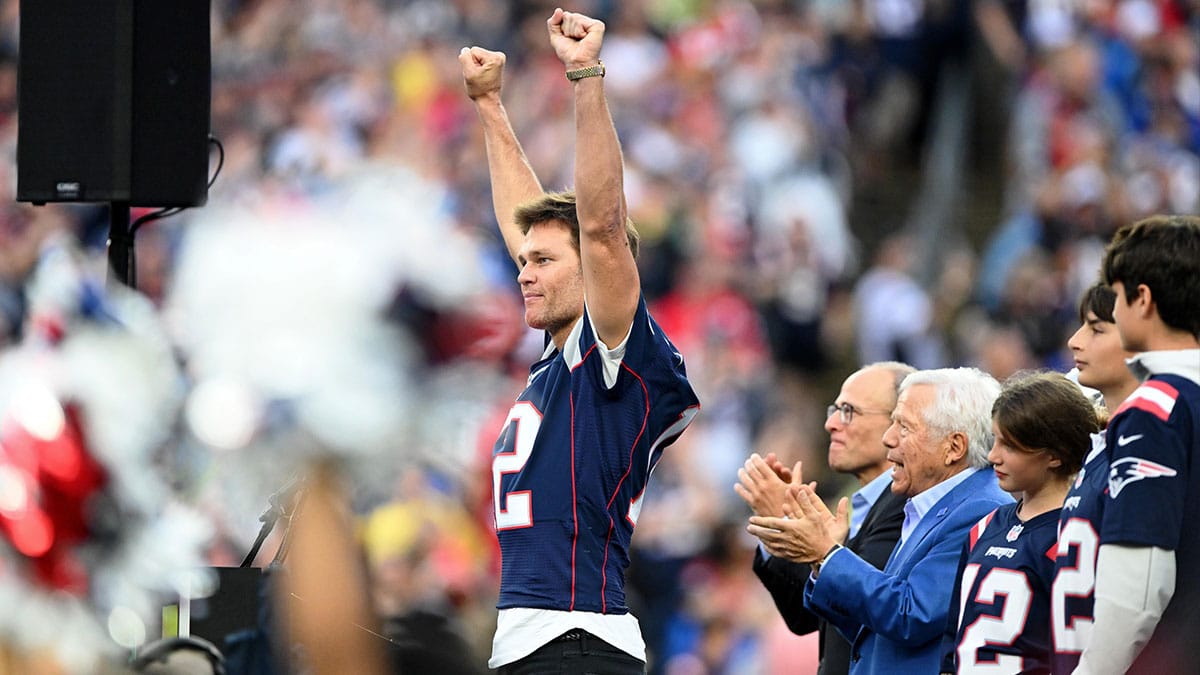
x,y
816,565
590,71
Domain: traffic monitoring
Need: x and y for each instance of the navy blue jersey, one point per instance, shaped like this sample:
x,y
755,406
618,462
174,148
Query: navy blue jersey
x,y
1073,596
1002,613
1154,500
572,463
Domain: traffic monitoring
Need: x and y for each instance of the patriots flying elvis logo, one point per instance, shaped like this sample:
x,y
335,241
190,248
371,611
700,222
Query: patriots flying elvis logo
x,y
1132,469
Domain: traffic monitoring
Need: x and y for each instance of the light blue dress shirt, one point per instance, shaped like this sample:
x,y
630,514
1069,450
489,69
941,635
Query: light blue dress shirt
x,y
916,507
864,498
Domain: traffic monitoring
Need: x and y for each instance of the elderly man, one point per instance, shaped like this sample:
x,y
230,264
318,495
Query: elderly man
x,y
939,439
855,422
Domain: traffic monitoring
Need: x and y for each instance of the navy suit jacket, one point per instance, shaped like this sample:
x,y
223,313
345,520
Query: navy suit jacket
x,y
895,618
785,579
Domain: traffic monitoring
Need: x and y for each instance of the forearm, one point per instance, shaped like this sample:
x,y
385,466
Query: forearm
x,y
909,609
847,626
513,179
599,169
1133,586
610,273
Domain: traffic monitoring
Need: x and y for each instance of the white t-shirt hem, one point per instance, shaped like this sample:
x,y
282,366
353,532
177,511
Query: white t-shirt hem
x,y
520,631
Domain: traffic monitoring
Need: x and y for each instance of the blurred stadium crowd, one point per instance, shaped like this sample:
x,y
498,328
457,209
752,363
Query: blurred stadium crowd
x,y
818,184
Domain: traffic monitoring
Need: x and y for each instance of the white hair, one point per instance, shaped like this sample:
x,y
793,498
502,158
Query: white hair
x,y
962,403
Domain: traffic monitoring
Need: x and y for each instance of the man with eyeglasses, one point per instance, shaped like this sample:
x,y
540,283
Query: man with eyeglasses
x,y
856,422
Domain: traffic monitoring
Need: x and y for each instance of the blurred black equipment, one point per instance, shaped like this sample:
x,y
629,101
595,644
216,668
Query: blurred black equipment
x,y
114,102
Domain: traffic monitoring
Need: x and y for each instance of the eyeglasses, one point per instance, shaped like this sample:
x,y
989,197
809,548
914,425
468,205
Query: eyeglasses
x,y
848,412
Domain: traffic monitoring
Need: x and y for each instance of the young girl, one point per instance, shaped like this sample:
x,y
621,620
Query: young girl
x,y
1000,618
1100,360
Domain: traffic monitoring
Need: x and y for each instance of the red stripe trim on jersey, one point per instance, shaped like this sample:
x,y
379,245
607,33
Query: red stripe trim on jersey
x,y
978,528
628,515
574,497
604,567
668,436
1144,405
1052,552
1154,396
632,448
574,501
1164,387
628,470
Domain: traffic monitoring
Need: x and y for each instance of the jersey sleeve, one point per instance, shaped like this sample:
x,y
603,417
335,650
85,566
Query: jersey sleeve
x,y
1147,480
645,352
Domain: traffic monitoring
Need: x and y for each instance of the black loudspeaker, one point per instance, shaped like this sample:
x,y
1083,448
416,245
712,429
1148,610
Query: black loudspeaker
x,y
114,101
234,607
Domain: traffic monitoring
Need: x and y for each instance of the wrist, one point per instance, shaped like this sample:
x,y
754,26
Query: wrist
x,y
816,564
582,63
578,72
490,97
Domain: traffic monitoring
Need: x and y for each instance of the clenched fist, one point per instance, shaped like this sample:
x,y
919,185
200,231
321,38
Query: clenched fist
x,y
483,71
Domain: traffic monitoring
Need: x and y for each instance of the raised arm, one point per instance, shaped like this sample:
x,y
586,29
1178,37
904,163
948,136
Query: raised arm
x,y
610,275
513,180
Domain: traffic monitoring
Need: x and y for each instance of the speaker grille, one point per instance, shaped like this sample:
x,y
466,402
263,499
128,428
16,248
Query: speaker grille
x,y
172,90
66,135
114,101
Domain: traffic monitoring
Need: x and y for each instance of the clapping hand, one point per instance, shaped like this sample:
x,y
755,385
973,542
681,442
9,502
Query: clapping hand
x,y
804,502
764,482
808,529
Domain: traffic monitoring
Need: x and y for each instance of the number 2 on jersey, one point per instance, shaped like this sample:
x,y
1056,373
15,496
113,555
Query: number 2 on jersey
x,y
1071,633
992,631
515,509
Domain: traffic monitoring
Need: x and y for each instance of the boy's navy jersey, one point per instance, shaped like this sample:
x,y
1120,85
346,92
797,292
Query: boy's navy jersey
x,y
1073,595
571,466
1001,616
1154,500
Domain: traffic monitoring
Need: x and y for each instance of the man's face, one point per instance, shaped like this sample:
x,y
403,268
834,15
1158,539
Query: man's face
x,y
857,448
919,456
1096,348
551,278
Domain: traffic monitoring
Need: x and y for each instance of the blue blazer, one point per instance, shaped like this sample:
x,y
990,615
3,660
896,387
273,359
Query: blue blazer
x,y
894,618
785,580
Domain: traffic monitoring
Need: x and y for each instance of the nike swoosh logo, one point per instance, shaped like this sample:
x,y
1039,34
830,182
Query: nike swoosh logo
x,y
1122,441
